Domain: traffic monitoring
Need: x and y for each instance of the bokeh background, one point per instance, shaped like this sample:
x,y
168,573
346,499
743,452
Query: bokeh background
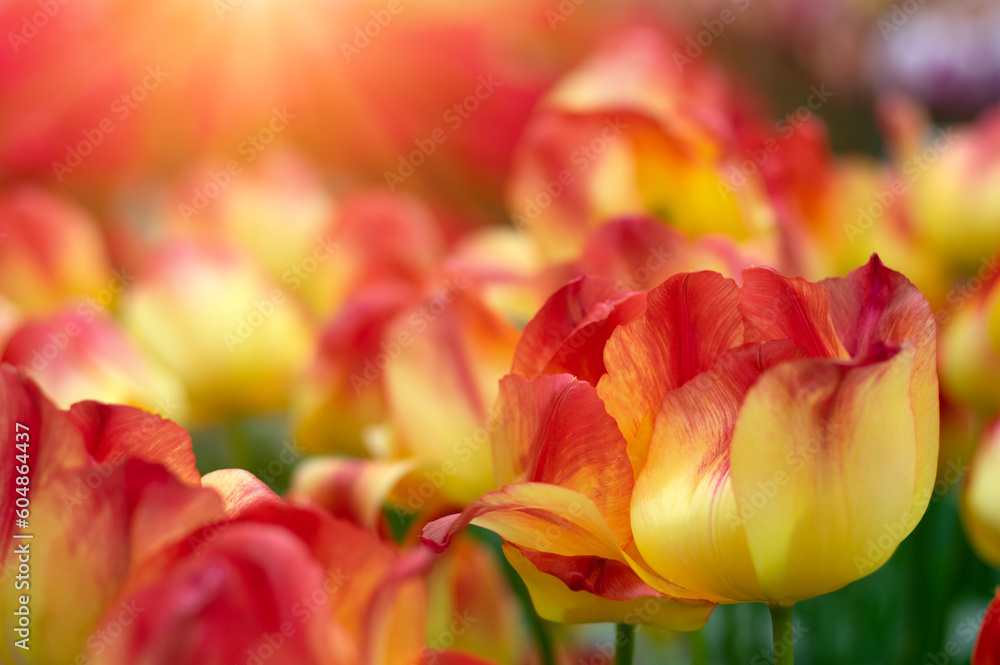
x,y
228,211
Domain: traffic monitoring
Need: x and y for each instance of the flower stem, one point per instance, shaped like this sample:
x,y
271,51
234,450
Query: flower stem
x,y
624,643
781,634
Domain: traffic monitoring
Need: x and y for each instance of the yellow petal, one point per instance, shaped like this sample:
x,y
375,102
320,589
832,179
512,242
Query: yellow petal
x,y
690,320
825,466
554,601
685,515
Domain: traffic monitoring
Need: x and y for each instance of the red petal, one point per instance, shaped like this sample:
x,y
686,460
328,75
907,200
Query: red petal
x,y
776,307
114,432
556,431
987,650
690,321
569,333
602,577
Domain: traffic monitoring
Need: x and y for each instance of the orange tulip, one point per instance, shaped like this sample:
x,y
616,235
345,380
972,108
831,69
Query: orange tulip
x,y
770,442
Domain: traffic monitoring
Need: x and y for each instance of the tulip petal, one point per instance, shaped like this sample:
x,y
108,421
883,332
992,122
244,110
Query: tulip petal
x,y
569,333
684,512
548,519
114,432
352,489
874,307
823,461
778,307
987,649
251,584
241,491
106,521
555,430
690,320
451,349
556,601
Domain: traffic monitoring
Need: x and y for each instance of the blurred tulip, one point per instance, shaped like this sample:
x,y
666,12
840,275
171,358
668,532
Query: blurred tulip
x,y
980,504
634,130
987,650
277,210
51,252
953,195
142,560
863,211
234,337
784,383
81,354
109,486
970,345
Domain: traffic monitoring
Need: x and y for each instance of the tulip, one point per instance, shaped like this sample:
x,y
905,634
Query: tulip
x,y
987,649
980,499
137,558
970,344
388,364
275,209
770,443
81,354
51,252
109,486
234,337
863,209
953,173
610,134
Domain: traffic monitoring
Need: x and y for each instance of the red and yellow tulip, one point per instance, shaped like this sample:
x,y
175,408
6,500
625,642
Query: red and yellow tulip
x,y
767,442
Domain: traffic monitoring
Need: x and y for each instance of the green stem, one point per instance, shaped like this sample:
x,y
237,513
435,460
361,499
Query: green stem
x,y
699,649
781,634
624,643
